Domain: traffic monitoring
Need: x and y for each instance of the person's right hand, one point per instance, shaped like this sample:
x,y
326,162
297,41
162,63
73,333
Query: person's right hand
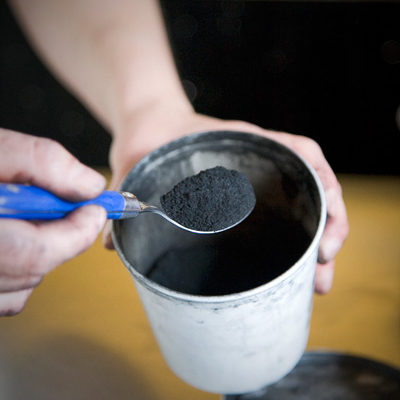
x,y
29,250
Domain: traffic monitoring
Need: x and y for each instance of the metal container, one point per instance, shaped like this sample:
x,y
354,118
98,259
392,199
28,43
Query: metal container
x,y
230,311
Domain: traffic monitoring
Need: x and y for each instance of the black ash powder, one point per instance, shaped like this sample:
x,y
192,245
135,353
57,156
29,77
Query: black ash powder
x,y
212,200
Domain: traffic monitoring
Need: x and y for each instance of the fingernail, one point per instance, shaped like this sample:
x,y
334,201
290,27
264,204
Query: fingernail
x,y
328,249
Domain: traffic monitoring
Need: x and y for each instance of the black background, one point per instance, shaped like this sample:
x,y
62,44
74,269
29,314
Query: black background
x,y
330,71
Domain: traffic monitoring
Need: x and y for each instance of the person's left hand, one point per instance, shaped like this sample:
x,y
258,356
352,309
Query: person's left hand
x,y
145,132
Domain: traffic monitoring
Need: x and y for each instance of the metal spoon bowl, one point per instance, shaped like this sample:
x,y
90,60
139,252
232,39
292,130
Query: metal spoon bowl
x,y
149,208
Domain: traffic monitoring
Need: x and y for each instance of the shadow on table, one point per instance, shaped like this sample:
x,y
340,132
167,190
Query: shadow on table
x,y
68,367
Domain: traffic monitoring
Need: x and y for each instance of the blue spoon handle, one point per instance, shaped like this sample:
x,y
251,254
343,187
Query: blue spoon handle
x,y
31,202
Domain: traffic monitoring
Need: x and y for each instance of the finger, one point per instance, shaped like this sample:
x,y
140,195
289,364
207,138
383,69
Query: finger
x,y
324,277
45,163
30,251
14,302
70,236
336,228
106,238
19,246
12,282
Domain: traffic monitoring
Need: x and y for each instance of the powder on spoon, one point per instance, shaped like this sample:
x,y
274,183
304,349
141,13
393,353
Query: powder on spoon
x,y
212,200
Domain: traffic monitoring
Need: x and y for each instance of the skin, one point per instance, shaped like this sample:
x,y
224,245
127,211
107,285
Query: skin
x,y
29,250
114,56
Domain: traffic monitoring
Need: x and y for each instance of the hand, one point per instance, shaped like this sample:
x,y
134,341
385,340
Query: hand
x,y
29,250
148,130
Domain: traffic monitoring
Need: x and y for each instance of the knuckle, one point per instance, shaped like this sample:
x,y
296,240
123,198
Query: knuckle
x,y
310,144
333,191
23,253
51,155
43,147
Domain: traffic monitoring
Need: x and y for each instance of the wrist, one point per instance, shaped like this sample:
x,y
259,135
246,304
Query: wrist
x,y
139,131
156,106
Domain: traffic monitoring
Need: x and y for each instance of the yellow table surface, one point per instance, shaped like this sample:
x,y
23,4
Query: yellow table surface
x,y
84,334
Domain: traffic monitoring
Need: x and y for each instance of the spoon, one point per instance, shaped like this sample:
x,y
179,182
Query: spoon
x,y
34,203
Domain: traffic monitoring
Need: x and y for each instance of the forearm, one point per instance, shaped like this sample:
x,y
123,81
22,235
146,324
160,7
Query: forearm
x,y
113,55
